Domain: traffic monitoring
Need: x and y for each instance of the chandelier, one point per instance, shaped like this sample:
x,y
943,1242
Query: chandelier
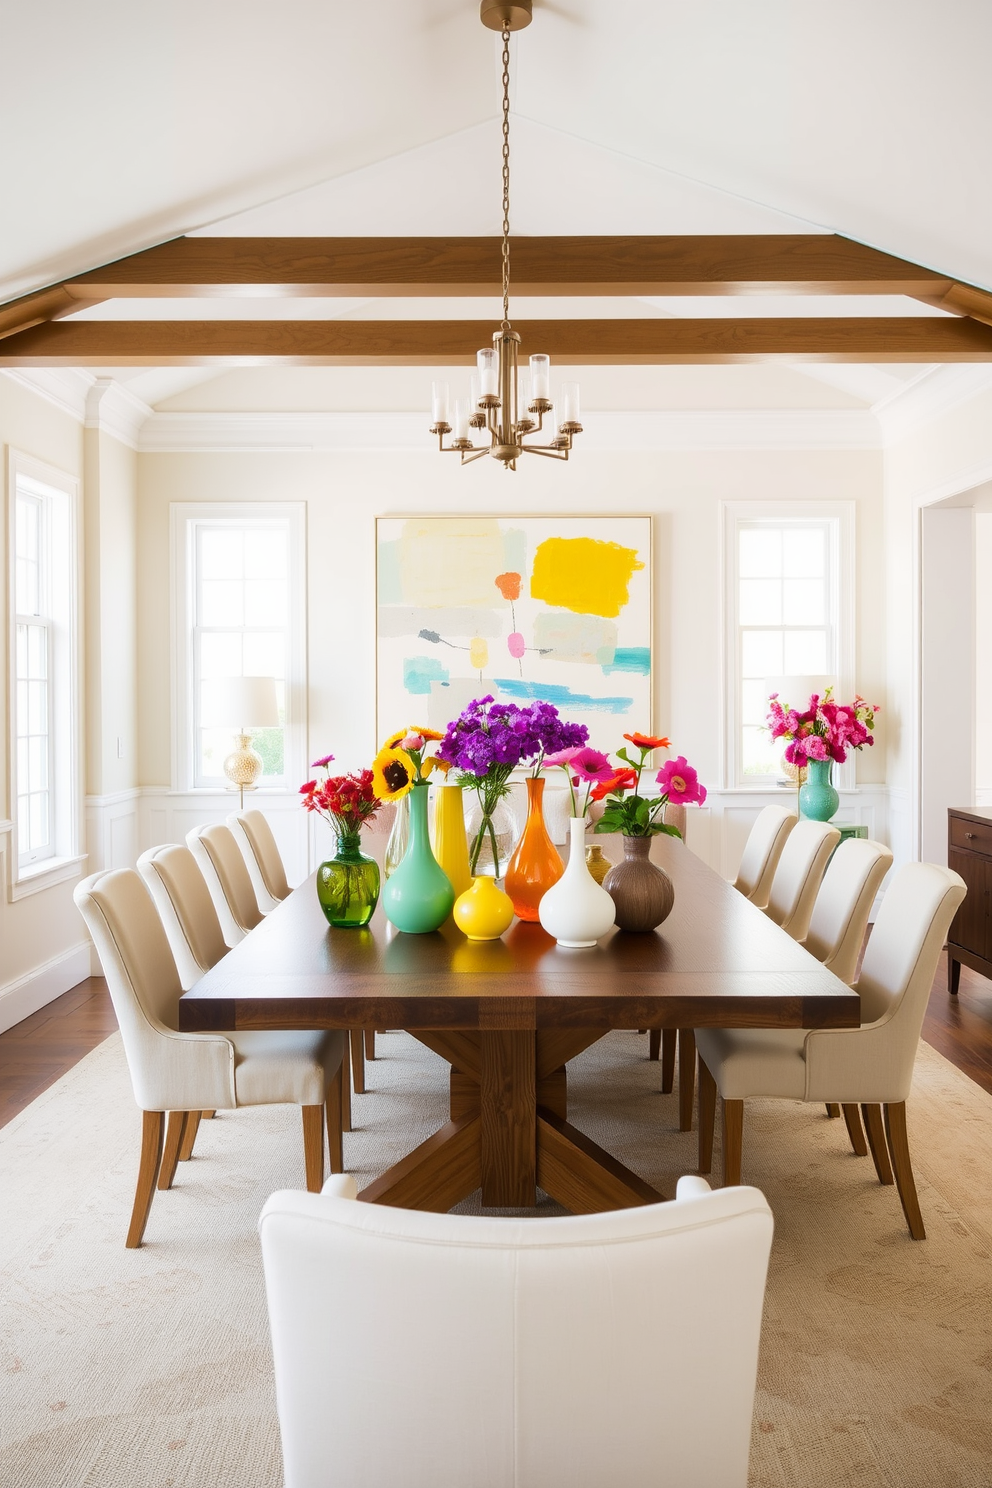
x,y
494,403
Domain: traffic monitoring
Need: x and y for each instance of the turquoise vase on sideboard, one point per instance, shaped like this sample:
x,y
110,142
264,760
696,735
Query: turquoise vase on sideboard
x,y
818,800
417,896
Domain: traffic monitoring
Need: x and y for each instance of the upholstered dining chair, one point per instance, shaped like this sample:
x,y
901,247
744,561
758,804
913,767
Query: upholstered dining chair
x,y
193,1072
193,930
533,1353
262,858
761,853
870,1066
799,875
219,859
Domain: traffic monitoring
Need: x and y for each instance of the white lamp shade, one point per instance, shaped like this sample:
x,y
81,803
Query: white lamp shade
x,y
240,702
797,690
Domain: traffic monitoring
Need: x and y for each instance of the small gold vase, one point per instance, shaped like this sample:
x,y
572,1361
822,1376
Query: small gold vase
x,y
598,866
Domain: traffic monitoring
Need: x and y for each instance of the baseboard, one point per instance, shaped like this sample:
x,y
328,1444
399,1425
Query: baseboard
x,y
25,995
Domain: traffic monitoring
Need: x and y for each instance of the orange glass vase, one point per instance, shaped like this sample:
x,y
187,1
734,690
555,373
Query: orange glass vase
x,y
536,864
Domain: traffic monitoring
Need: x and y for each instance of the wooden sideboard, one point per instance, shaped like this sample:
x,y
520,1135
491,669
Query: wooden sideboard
x,y
969,852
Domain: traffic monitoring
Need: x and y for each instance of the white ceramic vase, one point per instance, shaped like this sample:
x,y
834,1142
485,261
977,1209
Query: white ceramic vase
x,y
576,911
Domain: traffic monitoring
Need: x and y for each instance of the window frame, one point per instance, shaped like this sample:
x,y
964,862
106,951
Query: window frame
x,y
58,496
840,515
186,518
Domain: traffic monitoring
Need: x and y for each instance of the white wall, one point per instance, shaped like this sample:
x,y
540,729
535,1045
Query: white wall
x,y
344,492
983,659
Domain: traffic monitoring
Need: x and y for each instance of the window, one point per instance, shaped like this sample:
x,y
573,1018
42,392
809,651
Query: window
x,y
243,596
788,601
44,749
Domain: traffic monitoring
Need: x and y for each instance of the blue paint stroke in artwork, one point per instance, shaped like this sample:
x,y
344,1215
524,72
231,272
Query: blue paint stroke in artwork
x,y
420,671
555,693
630,659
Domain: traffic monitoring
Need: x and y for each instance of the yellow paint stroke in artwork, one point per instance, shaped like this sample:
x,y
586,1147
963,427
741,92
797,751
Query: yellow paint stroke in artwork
x,y
583,574
478,653
448,562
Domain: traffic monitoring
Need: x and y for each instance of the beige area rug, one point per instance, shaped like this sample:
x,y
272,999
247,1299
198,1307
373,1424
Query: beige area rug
x,y
151,1368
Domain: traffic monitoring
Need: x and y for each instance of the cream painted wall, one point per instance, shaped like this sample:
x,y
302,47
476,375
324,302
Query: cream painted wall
x,y
111,651
983,658
344,492
43,948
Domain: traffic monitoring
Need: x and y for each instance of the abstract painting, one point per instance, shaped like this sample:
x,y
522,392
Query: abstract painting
x,y
557,608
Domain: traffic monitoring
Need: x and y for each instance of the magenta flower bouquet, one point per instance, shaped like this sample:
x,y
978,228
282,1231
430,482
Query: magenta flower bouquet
x,y
824,730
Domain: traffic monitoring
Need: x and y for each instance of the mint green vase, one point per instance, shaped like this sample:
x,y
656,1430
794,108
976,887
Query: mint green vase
x,y
817,798
417,896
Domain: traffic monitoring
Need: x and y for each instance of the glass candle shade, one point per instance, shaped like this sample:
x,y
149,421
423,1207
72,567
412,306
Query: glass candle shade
x,y
439,402
488,365
540,376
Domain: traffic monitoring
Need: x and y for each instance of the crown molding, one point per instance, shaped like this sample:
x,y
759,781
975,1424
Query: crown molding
x,y
113,409
66,388
190,433
928,397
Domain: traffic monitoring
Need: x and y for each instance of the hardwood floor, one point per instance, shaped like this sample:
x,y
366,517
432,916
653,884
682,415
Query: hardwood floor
x,y
35,1053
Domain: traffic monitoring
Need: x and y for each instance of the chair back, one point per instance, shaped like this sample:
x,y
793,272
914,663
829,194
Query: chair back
x,y
799,874
219,859
186,910
169,1071
762,852
262,857
440,1350
905,944
840,914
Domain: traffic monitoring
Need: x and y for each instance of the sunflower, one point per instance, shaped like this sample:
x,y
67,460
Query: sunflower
x,y
413,728
393,774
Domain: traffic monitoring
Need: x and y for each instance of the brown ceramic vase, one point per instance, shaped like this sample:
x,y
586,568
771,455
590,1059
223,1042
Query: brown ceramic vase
x,y
642,892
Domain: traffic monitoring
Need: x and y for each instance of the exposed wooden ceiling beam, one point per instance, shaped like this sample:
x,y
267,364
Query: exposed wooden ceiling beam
x,y
688,265
966,300
446,342
35,309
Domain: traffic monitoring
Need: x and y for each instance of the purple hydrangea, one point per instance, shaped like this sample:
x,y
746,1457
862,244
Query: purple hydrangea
x,y
488,734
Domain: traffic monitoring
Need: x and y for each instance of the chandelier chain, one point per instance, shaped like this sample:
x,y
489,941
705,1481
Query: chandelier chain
x,y
506,181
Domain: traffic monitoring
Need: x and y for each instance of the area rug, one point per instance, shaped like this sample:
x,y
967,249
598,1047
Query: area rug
x,y
151,1368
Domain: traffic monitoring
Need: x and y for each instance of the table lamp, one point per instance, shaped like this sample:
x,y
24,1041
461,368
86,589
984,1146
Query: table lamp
x,y
243,704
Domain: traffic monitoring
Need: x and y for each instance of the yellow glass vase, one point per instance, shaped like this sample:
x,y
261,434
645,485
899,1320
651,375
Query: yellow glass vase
x,y
484,911
450,839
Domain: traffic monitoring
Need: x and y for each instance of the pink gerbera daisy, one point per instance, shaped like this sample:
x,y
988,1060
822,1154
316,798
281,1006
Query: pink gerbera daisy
x,y
680,782
590,765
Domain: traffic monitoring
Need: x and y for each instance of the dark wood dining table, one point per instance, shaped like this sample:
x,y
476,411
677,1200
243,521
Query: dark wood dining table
x,y
509,1014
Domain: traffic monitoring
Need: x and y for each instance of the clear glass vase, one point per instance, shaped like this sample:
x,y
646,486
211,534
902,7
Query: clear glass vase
x,y
501,826
399,837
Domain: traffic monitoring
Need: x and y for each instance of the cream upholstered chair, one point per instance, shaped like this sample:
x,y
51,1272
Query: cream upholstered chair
x,y
533,1353
183,1072
193,930
219,859
799,874
762,852
262,858
840,915
871,1065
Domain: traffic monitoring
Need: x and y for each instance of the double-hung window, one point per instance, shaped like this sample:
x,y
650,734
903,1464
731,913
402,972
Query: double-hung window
x,y
789,620
43,732
241,611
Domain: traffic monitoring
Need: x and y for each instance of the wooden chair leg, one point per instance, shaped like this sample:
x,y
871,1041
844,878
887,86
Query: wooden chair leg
x,y
208,1115
875,1132
189,1136
953,976
707,1117
313,1146
332,1107
895,1130
152,1128
174,1135
669,1043
345,1093
853,1118
833,1110
733,1141
358,1060
687,1077
654,1043
370,1043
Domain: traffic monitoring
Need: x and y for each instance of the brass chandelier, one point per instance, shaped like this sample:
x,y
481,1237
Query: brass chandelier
x,y
494,399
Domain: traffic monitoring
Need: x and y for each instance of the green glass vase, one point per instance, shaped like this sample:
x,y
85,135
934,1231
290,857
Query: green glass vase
x,y
417,896
818,800
348,885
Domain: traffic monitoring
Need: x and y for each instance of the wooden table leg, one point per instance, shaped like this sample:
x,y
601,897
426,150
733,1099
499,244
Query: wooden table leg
x,y
508,1143
436,1175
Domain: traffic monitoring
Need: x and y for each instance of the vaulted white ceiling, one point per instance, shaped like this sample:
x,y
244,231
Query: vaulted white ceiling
x,y
134,123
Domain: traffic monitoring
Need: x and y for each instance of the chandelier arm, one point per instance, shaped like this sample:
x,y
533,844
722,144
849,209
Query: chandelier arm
x,y
473,454
546,450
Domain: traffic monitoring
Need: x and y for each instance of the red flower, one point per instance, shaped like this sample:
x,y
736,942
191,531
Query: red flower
x,y
621,781
648,741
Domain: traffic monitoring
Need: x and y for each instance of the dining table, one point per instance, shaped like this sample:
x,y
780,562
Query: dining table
x,y
508,1015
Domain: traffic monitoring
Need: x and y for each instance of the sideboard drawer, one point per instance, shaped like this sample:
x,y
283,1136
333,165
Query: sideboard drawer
x,y
970,836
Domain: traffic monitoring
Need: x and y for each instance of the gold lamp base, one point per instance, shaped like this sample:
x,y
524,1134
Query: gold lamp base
x,y
243,766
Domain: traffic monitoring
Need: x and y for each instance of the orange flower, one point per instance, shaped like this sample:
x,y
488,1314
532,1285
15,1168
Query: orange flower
x,y
621,781
647,741
508,585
